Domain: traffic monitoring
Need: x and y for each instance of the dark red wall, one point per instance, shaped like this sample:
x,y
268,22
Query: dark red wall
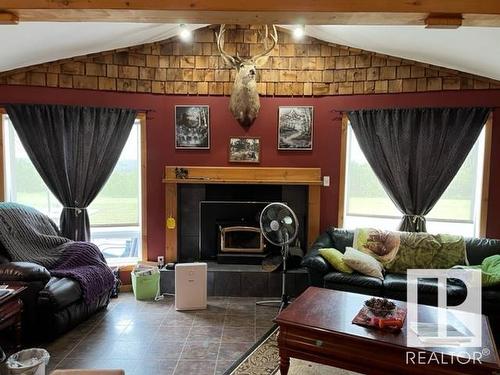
x,y
325,154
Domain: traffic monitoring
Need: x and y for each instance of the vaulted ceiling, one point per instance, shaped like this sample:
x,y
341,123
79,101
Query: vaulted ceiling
x,y
31,43
470,49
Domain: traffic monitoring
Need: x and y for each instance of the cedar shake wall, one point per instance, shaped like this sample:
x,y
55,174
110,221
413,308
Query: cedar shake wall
x,y
307,68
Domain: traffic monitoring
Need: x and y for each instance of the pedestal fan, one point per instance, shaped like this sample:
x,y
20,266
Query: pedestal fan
x,y
279,226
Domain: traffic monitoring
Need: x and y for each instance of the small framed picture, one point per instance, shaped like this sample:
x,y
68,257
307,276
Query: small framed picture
x,y
244,150
295,128
192,127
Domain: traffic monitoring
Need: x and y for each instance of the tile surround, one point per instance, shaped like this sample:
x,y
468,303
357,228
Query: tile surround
x,y
243,280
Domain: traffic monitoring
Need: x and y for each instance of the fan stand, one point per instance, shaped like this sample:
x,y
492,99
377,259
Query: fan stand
x,y
285,299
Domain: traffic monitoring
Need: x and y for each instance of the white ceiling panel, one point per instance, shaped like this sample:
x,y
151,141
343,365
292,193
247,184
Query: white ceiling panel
x,y
39,42
470,49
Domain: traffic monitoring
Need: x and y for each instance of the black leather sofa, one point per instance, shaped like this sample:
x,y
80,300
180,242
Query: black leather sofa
x,y
322,274
52,305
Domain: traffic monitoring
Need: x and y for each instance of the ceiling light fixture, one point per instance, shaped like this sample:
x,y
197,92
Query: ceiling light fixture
x,y
185,34
299,31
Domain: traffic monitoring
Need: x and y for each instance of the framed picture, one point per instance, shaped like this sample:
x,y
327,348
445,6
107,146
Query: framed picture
x,y
295,128
192,127
244,150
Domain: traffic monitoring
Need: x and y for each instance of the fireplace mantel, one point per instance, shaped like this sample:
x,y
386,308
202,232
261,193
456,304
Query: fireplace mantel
x,y
310,177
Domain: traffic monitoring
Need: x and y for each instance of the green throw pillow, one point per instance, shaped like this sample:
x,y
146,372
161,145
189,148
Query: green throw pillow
x,y
491,270
336,259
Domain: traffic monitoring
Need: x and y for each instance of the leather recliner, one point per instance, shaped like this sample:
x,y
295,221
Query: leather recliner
x,y
52,305
322,274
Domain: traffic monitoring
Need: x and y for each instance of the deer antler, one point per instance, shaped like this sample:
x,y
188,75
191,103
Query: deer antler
x,y
274,40
220,46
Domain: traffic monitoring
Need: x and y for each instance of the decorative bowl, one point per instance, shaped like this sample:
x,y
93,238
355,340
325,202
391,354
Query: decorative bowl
x,y
380,307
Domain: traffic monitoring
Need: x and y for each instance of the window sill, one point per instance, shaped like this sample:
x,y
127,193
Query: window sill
x,y
126,263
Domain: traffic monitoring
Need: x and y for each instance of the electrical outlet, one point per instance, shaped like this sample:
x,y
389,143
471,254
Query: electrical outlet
x,y
161,261
326,180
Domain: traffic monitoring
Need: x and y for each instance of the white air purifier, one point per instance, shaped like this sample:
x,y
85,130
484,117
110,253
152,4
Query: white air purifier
x,y
190,286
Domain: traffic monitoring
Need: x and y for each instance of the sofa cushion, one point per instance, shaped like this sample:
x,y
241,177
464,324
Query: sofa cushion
x,y
477,248
395,287
353,282
341,238
59,293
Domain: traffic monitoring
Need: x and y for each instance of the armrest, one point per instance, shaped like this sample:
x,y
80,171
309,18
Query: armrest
x,y
315,263
23,271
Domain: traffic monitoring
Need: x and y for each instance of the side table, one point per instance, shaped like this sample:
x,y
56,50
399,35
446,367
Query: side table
x,y
11,308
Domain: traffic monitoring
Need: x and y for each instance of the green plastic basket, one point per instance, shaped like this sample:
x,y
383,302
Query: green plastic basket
x,y
145,287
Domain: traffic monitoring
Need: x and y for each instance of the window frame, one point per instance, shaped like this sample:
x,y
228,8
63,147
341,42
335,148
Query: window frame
x,y
142,117
483,209
2,161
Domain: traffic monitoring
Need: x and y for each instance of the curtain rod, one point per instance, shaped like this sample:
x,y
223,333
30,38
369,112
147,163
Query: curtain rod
x,y
381,108
3,105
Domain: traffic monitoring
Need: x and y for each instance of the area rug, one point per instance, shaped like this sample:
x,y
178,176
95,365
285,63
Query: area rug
x,y
263,359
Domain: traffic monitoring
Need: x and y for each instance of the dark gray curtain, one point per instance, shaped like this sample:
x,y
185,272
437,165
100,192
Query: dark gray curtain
x,y
415,153
75,150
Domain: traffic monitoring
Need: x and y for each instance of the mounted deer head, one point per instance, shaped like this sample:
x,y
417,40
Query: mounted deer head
x,y
244,103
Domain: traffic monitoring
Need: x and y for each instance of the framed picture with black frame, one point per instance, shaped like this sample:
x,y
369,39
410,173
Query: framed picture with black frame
x,y
295,128
244,150
192,127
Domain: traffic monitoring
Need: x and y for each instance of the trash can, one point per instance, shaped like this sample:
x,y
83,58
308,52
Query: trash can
x,y
28,362
145,282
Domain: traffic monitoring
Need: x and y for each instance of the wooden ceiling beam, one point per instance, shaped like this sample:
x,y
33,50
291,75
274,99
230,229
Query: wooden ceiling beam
x,y
8,18
326,12
443,21
349,6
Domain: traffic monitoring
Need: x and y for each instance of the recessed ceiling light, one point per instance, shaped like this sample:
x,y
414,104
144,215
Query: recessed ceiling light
x,y
185,34
299,31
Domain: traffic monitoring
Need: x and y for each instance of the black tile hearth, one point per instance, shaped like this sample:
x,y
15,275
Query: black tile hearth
x,y
227,283
148,338
253,283
243,280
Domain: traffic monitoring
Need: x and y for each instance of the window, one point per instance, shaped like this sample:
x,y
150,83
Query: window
x,y
366,203
115,214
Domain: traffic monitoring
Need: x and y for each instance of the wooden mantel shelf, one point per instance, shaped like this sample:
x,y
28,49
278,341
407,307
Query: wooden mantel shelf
x,y
310,177
245,175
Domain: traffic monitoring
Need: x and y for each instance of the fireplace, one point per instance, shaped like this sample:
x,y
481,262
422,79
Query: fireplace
x,y
241,239
221,222
225,186
230,232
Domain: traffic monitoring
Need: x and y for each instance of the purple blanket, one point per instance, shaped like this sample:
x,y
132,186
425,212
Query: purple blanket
x,y
84,262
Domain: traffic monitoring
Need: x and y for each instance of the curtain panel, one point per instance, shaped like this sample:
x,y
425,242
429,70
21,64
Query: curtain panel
x,y
74,149
416,153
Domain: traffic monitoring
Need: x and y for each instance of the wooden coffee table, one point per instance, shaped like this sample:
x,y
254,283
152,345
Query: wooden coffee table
x,y
318,327
11,308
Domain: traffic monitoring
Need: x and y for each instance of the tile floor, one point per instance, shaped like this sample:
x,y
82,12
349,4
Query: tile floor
x,y
148,338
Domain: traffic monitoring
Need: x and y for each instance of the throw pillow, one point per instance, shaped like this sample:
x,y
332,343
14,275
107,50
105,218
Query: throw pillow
x,y
491,271
363,263
336,259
